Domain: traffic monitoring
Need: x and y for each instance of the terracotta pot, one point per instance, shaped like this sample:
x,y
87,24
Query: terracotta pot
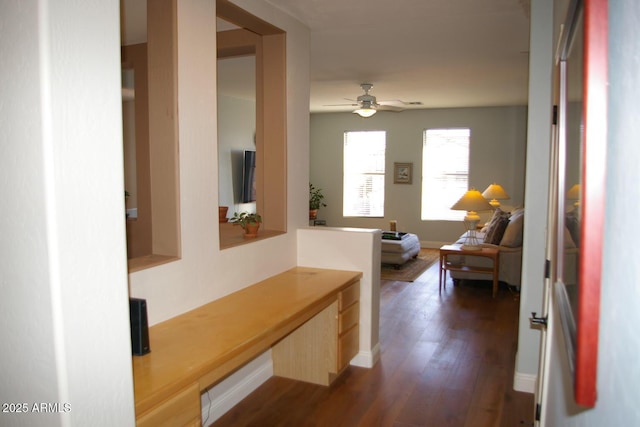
x,y
313,213
251,230
222,213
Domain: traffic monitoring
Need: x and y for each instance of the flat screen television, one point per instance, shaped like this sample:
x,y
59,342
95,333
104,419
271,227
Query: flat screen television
x,y
249,177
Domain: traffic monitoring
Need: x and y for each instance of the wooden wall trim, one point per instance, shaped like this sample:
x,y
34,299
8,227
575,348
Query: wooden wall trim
x,y
240,17
268,43
235,43
163,125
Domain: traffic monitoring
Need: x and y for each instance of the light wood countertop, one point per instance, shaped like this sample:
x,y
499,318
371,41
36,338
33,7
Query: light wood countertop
x,y
210,342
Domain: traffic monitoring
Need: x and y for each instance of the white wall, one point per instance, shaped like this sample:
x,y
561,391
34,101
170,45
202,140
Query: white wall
x,y
236,133
204,272
537,189
498,143
350,249
64,307
618,380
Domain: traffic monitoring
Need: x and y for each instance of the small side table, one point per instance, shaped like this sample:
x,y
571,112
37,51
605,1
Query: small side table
x,y
445,264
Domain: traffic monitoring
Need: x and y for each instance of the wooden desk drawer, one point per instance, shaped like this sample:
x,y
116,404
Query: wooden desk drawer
x,y
348,346
349,317
348,296
183,409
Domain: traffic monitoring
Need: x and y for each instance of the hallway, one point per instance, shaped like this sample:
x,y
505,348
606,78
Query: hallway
x,y
445,361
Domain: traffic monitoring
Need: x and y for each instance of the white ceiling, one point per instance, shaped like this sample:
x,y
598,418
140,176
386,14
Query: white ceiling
x,y
443,53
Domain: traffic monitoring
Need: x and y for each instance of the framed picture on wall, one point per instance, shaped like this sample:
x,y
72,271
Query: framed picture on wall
x,y
402,173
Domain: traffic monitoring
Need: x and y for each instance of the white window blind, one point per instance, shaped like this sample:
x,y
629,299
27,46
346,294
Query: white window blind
x,y
363,181
445,172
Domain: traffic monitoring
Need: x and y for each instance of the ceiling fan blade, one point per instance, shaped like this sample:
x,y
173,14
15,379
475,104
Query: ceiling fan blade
x,y
399,102
341,105
353,103
369,101
385,107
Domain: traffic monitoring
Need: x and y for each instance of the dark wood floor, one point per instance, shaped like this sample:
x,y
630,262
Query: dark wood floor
x,y
445,361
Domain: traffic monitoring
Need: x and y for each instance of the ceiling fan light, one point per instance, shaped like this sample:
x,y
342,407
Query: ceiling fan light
x,y
365,112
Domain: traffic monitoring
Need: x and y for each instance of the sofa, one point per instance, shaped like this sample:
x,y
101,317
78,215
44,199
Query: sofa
x,y
503,231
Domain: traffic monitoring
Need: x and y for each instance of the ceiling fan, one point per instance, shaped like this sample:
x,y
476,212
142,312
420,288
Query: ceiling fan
x,y
368,105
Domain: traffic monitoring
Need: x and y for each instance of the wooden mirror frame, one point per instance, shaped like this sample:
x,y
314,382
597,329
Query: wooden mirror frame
x,y
581,330
268,43
154,237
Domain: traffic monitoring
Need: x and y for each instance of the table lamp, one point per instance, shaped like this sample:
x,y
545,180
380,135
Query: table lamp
x,y
472,201
495,192
574,194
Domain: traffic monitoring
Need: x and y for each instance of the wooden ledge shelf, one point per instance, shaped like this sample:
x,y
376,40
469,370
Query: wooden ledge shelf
x,y
148,261
197,349
231,235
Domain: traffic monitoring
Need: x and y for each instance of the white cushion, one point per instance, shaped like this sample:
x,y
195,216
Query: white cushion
x,y
512,236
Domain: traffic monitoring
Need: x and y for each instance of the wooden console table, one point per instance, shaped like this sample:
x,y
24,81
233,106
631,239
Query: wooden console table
x,y
308,315
445,265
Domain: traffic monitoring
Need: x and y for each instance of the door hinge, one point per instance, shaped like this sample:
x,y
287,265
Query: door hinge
x,y
535,320
547,268
538,410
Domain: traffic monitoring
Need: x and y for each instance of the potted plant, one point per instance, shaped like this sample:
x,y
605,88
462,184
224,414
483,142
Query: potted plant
x,y
315,201
250,222
222,213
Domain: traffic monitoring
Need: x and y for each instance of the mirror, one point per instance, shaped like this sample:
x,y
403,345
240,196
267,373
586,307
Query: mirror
x,y
572,107
236,130
568,175
251,46
151,132
129,142
253,40
137,149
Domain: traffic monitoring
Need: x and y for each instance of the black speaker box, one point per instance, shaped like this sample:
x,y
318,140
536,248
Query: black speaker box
x,y
139,326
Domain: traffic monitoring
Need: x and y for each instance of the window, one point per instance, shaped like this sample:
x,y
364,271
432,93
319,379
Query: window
x,y
363,192
445,172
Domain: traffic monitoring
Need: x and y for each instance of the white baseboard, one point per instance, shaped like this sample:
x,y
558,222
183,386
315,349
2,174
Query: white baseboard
x,y
219,399
525,382
367,359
